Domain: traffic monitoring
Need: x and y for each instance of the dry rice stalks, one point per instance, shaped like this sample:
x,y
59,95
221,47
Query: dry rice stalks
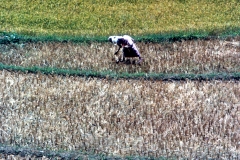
x,y
120,117
198,56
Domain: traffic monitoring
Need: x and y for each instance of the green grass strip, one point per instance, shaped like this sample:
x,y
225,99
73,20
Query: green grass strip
x,y
63,154
113,75
8,37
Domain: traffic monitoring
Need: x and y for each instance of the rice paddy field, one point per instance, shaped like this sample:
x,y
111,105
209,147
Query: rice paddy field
x,y
103,17
119,117
122,117
193,56
45,115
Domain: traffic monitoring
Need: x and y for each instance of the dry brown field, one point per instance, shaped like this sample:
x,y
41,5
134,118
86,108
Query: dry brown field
x,y
195,56
120,117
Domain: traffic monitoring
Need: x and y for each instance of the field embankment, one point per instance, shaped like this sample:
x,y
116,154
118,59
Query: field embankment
x,y
119,117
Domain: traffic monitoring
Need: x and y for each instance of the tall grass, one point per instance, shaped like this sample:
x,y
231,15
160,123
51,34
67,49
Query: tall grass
x,y
120,117
103,17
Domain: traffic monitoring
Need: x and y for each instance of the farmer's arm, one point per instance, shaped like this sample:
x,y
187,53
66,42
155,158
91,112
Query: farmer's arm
x,y
116,57
117,50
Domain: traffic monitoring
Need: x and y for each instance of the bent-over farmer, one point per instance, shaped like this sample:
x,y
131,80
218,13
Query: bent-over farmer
x,y
129,48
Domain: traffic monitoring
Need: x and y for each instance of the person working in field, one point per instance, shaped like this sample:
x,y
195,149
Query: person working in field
x,y
129,48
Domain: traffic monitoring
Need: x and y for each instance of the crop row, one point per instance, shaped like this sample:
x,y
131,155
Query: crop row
x,y
120,117
197,56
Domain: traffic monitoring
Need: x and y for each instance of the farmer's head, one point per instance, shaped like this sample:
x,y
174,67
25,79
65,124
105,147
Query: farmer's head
x,y
114,39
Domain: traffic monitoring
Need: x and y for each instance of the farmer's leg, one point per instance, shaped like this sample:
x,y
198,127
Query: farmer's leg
x,y
125,53
116,58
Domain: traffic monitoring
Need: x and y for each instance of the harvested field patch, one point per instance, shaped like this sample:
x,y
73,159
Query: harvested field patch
x,y
196,56
120,117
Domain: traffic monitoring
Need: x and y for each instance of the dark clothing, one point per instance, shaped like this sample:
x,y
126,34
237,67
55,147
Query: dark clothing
x,y
130,52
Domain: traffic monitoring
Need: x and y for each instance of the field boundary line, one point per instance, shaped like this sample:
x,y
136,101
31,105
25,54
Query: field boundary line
x,y
171,36
39,153
113,75
77,154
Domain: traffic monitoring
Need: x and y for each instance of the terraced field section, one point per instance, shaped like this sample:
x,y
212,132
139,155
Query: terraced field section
x,y
48,110
195,56
121,117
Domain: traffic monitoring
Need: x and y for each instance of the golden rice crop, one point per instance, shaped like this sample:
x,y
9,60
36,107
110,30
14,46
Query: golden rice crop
x,y
121,117
196,56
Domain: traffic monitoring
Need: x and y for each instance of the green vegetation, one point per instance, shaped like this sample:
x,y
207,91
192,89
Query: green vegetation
x,y
91,18
20,151
11,37
113,75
